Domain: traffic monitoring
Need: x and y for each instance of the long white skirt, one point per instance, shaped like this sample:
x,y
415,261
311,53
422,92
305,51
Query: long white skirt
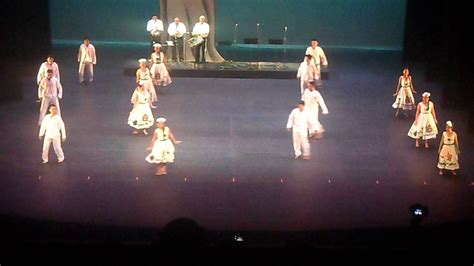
x,y
424,128
448,158
150,88
404,99
141,116
162,152
160,74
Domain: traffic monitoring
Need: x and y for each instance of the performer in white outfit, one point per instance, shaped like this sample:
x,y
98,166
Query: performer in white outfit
x,y
155,27
176,31
53,130
306,72
319,57
313,100
425,122
87,59
49,92
161,146
159,72
143,74
404,93
141,116
299,122
448,150
43,70
201,29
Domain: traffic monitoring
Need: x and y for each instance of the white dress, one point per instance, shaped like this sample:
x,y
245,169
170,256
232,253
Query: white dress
x,y
448,157
146,77
163,148
159,72
141,116
424,127
404,98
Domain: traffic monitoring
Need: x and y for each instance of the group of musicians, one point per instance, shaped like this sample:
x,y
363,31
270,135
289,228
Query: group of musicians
x,y
176,31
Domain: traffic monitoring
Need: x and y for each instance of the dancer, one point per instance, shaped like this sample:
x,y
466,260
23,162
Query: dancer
x,y
45,66
141,116
404,93
51,129
448,150
49,92
161,147
159,72
299,122
425,122
319,57
87,59
313,100
306,72
143,74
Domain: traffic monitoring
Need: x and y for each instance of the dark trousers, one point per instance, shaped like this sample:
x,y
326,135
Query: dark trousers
x,y
199,52
177,49
155,39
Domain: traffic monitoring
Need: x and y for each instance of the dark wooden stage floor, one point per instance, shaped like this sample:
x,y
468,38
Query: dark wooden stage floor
x,y
234,169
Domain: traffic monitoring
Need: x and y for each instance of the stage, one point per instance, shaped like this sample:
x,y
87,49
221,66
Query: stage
x,y
234,170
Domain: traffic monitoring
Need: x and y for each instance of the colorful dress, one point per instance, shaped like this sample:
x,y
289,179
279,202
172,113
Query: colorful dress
x,y
448,157
141,116
146,77
424,127
404,98
163,148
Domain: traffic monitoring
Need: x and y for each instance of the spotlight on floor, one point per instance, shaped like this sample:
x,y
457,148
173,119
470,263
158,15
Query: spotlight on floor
x,y
418,213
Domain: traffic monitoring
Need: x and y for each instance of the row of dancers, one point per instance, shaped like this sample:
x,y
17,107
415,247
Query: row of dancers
x,y
141,117
425,123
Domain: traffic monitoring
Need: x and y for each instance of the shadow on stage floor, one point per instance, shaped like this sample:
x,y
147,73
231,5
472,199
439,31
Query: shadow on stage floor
x,y
234,169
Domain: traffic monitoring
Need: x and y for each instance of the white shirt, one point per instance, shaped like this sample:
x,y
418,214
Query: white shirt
x,y
86,54
318,55
52,127
201,29
176,30
313,99
50,88
43,71
298,120
307,71
154,25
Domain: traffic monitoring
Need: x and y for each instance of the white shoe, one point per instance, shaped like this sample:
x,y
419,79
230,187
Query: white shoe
x,y
60,160
44,162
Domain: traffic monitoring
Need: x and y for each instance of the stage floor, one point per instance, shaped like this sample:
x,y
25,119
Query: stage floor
x,y
234,169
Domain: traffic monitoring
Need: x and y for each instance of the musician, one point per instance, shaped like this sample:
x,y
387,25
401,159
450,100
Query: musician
x,y
154,27
201,29
176,31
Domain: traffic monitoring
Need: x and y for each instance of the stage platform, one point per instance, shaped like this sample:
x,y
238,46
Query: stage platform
x,y
234,169
229,69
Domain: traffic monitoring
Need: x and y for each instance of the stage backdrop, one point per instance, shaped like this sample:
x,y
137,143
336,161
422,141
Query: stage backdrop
x,y
377,24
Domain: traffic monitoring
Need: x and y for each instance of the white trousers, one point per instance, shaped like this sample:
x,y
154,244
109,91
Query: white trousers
x,y
300,142
90,69
45,103
56,145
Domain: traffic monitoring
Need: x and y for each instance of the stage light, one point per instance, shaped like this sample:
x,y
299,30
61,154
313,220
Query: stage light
x,y
238,238
418,213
